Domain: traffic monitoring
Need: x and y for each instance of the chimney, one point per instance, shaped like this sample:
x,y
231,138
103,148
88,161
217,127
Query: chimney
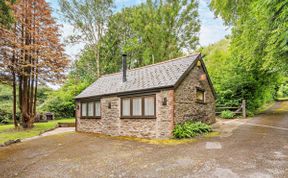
x,y
124,67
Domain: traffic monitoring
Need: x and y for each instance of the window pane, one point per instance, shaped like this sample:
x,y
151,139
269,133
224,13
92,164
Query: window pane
x,y
126,107
137,107
149,106
97,108
90,109
84,109
200,95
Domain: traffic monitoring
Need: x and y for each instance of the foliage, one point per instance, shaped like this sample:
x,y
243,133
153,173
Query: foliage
x,y
283,89
6,101
232,80
150,32
7,132
83,69
5,117
190,129
61,102
6,16
90,18
259,47
229,10
227,114
30,52
43,92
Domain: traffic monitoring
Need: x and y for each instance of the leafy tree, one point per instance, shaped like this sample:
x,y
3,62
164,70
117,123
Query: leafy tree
x,y
229,10
258,46
6,100
89,17
83,69
61,102
150,32
265,45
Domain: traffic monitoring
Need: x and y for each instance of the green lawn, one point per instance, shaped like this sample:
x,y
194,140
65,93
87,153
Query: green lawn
x,y
7,132
282,99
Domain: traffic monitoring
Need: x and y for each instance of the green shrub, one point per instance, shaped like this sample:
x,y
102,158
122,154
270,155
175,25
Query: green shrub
x,y
190,129
5,116
227,114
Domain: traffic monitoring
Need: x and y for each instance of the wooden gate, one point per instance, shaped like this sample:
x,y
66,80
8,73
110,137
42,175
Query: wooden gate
x,y
236,110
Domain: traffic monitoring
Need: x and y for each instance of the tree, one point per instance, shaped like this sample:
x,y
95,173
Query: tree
x,y
150,32
268,37
90,17
31,52
259,45
6,20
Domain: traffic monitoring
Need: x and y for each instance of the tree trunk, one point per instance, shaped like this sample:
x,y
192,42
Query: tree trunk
x,y
14,100
24,112
97,61
99,33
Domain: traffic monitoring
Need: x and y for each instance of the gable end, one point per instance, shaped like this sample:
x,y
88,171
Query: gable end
x,y
199,58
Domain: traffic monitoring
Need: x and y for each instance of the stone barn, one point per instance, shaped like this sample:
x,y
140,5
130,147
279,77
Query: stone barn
x,y
147,101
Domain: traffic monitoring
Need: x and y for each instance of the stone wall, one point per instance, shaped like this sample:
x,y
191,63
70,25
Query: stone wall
x,y
111,124
186,106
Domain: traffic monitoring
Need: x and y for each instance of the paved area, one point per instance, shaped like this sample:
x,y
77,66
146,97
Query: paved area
x,y
254,148
56,131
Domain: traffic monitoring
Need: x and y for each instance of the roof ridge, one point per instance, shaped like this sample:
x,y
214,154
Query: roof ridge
x,y
162,62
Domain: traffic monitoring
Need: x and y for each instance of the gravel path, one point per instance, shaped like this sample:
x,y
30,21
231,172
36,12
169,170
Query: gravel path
x,y
253,148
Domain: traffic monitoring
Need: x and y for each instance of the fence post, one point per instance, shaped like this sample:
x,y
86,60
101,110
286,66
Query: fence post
x,y
244,108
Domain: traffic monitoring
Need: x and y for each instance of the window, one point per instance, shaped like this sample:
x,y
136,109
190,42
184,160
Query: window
x,y
200,95
138,107
97,109
126,107
149,106
90,109
84,109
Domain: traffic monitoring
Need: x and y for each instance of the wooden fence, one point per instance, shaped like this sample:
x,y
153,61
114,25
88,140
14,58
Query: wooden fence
x,y
237,110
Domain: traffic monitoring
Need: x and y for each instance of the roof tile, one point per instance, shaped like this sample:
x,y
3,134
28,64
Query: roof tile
x,y
164,74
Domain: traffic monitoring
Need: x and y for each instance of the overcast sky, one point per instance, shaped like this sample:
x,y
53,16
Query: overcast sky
x,y
212,29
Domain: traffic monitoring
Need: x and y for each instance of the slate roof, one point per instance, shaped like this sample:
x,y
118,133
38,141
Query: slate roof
x,y
160,75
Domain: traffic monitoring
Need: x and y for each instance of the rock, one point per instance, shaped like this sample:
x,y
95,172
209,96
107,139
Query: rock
x,y
9,142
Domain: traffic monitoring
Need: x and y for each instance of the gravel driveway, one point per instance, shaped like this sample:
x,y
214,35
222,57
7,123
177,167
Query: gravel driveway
x,y
257,148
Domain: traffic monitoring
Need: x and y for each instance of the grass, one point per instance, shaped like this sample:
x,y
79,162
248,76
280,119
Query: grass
x,y
265,107
282,99
226,114
155,141
8,132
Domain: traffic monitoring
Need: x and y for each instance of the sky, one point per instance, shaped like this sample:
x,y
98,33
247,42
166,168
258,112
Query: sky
x,y
212,28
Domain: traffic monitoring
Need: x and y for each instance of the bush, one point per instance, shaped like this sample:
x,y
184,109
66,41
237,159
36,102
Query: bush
x,y
5,116
190,129
61,102
227,114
